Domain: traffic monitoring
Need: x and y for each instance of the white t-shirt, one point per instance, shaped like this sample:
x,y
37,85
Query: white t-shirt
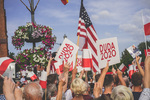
x,y
22,80
68,95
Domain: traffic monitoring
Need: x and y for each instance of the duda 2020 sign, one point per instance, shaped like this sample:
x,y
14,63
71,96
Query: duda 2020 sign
x,y
108,51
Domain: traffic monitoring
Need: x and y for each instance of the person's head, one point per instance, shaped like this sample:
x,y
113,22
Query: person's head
x,y
136,79
78,86
121,93
32,91
116,80
51,90
52,79
126,79
1,85
108,81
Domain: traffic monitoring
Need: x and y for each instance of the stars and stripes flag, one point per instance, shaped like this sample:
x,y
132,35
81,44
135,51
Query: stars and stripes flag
x,y
88,36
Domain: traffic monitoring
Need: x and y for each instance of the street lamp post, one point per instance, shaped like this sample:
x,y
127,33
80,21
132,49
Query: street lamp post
x,y
55,38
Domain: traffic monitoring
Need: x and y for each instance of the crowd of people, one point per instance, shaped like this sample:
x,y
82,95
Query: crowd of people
x,y
101,86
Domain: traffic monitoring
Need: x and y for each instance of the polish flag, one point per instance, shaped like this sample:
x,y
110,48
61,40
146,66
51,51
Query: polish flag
x,y
79,63
135,66
147,52
87,63
32,75
146,22
122,67
43,79
64,1
109,73
59,66
131,70
4,62
52,67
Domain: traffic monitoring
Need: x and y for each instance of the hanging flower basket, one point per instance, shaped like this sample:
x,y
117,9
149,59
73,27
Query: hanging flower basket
x,y
33,33
32,58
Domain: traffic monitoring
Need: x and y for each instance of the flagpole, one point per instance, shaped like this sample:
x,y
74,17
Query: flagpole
x,y
144,34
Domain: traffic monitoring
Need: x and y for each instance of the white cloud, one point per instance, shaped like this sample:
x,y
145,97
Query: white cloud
x,y
107,34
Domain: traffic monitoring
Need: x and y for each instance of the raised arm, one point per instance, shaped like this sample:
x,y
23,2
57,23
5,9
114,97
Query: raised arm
x,y
139,66
60,89
99,85
146,91
103,74
48,66
82,73
147,73
119,73
65,72
74,72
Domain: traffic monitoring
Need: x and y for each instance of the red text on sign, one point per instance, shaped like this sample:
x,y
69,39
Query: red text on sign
x,y
107,50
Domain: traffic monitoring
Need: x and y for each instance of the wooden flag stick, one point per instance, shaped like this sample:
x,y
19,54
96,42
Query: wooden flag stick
x,y
2,76
116,66
77,51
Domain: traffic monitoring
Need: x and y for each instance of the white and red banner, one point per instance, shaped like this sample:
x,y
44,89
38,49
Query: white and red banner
x,y
108,51
79,63
122,67
67,51
4,63
131,70
146,22
32,75
147,52
43,79
87,63
59,66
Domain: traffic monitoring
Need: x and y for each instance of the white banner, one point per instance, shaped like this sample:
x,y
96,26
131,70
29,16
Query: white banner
x,y
67,51
108,51
133,51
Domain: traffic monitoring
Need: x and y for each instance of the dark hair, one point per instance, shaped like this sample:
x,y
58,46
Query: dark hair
x,y
136,79
97,77
1,85
53,55
51,78
108,80
116,79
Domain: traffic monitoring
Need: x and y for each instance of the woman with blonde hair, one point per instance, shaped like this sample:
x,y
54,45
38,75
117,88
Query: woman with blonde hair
x,y
78,86
121,93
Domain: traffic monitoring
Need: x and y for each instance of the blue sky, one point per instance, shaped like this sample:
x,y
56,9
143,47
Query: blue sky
x,y
110,18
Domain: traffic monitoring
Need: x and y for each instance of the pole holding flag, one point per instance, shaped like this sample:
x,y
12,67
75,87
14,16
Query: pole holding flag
x,y
146,24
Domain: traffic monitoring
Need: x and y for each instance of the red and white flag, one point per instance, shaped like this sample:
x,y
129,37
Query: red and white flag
x,y
4,62
79,63
88,36
64,1
131,70
146,22
59,66
147,52
32,75
122,67
87,63
43,79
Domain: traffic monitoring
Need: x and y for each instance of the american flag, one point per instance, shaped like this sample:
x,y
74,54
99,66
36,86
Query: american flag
x,y
88,36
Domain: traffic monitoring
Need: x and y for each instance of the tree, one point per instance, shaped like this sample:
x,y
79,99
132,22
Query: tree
x,y
142,47
11,55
